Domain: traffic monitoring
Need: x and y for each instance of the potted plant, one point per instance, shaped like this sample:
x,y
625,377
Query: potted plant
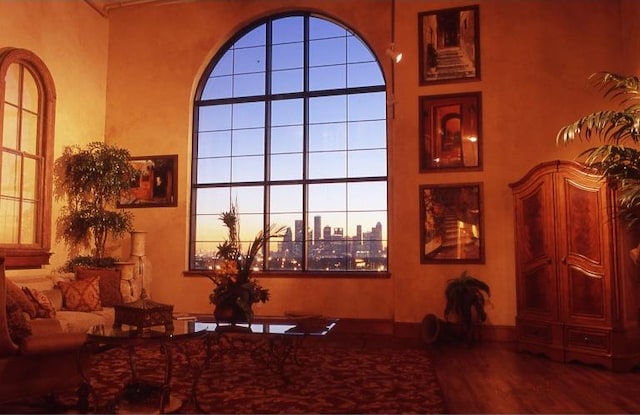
x,y
465,299
235,289
613,159
90,181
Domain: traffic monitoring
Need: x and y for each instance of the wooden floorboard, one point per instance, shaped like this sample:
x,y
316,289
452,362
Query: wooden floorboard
x,y
493,377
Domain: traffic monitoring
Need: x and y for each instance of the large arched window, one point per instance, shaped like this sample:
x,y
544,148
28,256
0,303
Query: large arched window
x,y
290,126
27,100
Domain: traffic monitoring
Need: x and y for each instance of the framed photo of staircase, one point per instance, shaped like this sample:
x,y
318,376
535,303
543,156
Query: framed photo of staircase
x,y
451,219
449,45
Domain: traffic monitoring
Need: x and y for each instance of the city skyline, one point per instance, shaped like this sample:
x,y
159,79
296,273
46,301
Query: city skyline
x,y
327,247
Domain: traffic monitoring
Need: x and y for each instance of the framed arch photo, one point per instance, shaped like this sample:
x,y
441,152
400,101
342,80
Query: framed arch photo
x,y
156,184
450,132
449,45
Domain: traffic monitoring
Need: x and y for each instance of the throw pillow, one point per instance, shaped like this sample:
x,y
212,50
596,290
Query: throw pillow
x,y
81,295
20,298
44,307
19,329
110,294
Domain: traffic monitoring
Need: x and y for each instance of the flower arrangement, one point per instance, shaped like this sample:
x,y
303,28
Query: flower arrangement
x,y
235,290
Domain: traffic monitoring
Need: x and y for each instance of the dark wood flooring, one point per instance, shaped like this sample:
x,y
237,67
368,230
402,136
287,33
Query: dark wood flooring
x,y
494,378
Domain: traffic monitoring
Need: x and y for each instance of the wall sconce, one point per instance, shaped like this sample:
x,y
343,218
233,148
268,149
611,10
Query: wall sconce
x,y
391,52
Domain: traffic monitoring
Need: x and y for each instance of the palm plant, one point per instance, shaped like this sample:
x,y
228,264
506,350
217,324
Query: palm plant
x,y
465,298
613,159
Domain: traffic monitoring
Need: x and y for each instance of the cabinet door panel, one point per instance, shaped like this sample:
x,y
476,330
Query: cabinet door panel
x,y
587,294
537,283
537,293
583,240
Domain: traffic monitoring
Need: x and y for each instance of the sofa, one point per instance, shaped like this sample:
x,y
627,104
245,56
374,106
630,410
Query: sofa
x,y
37,359
43,324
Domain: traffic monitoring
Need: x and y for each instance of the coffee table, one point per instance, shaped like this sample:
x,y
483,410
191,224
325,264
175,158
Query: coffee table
x,y
272,341
139,395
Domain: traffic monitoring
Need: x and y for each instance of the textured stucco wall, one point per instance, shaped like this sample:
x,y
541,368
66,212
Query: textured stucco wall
x,y
71,39
145,61
535,60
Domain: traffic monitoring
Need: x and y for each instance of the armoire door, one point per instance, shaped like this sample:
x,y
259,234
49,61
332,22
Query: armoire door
x,y
583,235
535,244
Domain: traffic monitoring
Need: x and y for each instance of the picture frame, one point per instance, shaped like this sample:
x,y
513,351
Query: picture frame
x,y
156,185
449,45
450,132
452,227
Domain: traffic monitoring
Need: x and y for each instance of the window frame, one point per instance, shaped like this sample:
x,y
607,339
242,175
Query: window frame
x,y
306,94
37,254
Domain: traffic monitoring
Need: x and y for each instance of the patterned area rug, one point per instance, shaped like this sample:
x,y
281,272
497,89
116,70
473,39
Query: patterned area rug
x,y
325,379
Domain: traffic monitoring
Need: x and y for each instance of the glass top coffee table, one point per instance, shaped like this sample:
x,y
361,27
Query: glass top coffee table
x,y
270,341
138,395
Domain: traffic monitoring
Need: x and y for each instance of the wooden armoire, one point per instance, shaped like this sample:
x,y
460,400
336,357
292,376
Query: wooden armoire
x,y
577,285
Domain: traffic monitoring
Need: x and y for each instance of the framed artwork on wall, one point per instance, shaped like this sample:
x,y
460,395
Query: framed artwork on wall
x,y
452,223
156,184
449,45
450,132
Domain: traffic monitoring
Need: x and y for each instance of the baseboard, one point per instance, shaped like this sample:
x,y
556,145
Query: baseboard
x,y
497,333
388,327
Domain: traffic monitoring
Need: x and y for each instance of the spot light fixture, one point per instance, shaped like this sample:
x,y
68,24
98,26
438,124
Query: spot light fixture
x,y
393,54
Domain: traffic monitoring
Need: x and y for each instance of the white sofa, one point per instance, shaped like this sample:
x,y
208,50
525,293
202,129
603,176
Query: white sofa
x,y
68,321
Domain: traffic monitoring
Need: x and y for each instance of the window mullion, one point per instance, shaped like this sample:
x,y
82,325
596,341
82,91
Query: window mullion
x,y
267,141
305,144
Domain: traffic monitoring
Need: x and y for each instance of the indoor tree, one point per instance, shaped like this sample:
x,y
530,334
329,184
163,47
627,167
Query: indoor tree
x,y
90,180
617,157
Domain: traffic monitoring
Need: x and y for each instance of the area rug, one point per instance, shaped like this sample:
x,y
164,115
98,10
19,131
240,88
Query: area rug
x,y
326,379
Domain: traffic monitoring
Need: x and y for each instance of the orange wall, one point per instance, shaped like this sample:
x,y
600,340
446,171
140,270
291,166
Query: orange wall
x,y
535,60
71,39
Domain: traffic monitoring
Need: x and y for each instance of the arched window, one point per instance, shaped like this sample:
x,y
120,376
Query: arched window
x,y
26,124
290,126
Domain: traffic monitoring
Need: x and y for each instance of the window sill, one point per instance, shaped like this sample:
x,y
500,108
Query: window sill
x,y
307,274
22,258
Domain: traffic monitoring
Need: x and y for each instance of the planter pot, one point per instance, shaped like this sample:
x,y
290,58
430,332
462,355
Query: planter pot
x,y
229,313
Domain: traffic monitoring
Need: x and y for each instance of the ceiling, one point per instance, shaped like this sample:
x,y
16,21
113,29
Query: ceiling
x,y
104,6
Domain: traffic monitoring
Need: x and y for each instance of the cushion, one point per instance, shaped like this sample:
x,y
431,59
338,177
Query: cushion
x,y
55,296
44,307
81,295
17,323
110,293
78,322
20,299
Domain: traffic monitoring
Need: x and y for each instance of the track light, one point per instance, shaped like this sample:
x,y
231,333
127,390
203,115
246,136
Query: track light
x,y
391,52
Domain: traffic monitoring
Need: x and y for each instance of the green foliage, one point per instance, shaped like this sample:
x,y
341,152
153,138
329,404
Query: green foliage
x,y
233,281
90,181
466,297
88,261
613,159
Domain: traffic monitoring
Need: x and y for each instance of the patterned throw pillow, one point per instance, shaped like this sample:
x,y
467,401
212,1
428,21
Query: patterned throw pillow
x,y
19,329
44,307
20,298
81,295
110,294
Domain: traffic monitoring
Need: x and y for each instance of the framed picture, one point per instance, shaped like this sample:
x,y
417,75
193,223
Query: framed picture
x,y
450,132
452,223
155,185
449,45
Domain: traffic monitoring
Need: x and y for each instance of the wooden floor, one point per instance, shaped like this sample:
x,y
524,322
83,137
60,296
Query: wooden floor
x,y
493,378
